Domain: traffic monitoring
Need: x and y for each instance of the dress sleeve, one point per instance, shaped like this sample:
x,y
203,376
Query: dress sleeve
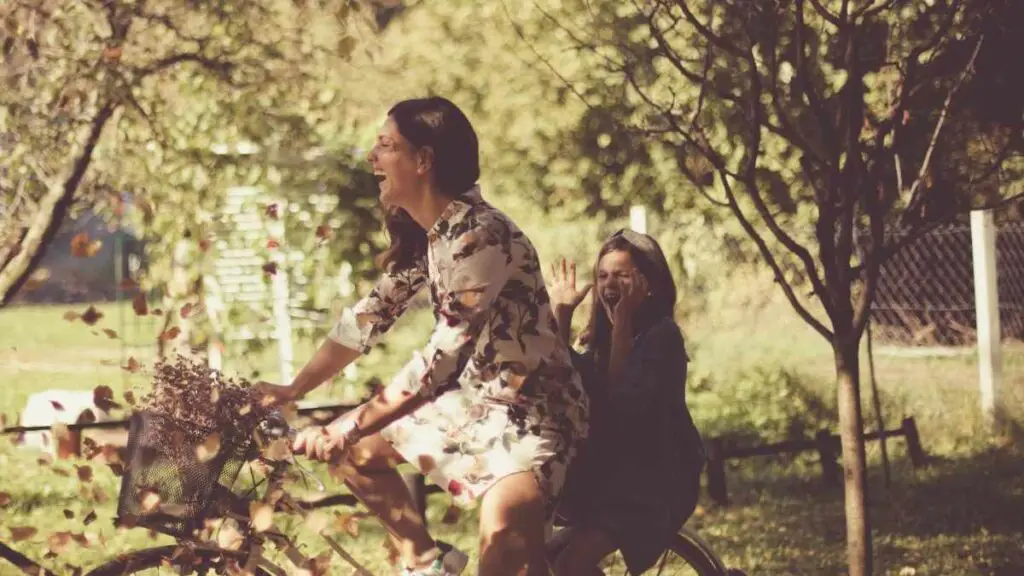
x,y
657,361
361,326
481,264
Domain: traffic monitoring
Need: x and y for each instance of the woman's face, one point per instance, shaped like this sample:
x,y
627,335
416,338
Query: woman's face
x,y
615,272
400,168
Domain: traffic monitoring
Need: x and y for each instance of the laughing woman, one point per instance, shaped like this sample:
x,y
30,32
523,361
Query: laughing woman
x,y
493,407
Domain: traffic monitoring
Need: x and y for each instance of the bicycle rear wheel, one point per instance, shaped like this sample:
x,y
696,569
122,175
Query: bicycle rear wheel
x,y
162,561
687,555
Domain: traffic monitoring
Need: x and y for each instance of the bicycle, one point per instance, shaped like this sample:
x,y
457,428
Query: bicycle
x,y
193,498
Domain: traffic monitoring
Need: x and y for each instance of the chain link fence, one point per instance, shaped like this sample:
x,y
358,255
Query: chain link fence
x,y
926,296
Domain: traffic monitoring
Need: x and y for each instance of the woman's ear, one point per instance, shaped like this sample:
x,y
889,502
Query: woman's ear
x,y
424,159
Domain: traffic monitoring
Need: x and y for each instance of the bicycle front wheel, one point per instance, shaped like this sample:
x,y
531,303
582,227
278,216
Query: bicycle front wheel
x,y
165,561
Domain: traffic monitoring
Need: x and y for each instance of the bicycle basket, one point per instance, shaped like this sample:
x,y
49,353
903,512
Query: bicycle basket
x,y
166,485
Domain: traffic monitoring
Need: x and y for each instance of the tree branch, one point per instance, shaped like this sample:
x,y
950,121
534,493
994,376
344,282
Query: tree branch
x,y
914,198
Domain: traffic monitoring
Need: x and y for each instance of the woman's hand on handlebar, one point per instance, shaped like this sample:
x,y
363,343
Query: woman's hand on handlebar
x,y
324,443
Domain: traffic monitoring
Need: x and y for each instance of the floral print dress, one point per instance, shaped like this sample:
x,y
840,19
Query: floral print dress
x,y
506,397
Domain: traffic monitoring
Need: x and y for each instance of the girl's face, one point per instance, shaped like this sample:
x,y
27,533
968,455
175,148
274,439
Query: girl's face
x,y
616,275
400,168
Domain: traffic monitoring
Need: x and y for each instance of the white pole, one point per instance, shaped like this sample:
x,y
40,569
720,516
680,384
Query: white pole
x,y
280,296
986,304
638,218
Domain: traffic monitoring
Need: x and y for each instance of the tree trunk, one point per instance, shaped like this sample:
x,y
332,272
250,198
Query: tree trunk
x,y
851,427
51,213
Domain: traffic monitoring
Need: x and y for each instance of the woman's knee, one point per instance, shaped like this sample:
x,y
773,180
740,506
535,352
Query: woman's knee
x,y
511,523
583,553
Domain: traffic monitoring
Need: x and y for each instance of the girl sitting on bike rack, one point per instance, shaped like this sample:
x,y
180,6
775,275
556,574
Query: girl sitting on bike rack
x,y
637,478
493,408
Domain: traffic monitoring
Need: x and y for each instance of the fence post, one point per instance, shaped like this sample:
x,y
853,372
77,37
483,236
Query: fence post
x,y
830,472
986,305
716,472
917,455
417,485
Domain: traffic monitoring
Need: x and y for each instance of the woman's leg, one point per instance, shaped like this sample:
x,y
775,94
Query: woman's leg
x,y
369,472
587,546
512,528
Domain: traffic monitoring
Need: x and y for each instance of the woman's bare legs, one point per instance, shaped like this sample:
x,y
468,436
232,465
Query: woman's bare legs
x,y
586,548
369,472
512,528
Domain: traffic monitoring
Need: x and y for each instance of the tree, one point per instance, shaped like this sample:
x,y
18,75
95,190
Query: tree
x,y
106,97
819,125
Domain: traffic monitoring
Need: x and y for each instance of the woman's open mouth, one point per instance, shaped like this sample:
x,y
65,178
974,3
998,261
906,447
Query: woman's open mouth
x,y
611,298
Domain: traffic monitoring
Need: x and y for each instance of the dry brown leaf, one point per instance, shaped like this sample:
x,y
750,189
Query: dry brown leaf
x,y
84,473
112,334
156,312
58,542
112,53
103,397
270,268
349,523
80,245
91,316
427,463
68,514
271,210
451,515
5,499
71,316
204,244
57,406
261,516
19,533
139,305
132,366
209,448
185,311
89,518
228,537
324,232
171,333
129,397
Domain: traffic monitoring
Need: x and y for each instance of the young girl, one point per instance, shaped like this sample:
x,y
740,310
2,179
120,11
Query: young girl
x,y
493,407
636,481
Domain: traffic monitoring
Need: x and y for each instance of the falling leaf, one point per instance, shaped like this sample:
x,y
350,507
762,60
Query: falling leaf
x,y
132,366
349,523
89,518
149,500
84,473
19,533
71,316
112,53
57,405
451,515
186,311
244,410
156,312
80,245
209,448
110,333
324,232
273,244
61,472
68,514
271,211
204,244
171,333
91,316
270,268
427,463
103,398
129,397
5,499
262,516
58,542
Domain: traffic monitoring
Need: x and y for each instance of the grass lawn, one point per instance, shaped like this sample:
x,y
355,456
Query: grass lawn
x,y
756,376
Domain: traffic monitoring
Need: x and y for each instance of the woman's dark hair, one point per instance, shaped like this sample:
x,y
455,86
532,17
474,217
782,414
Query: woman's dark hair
x,y
438,124
650,260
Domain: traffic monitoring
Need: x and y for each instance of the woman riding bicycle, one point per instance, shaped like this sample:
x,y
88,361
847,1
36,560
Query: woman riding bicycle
x,y
637,478
492,409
